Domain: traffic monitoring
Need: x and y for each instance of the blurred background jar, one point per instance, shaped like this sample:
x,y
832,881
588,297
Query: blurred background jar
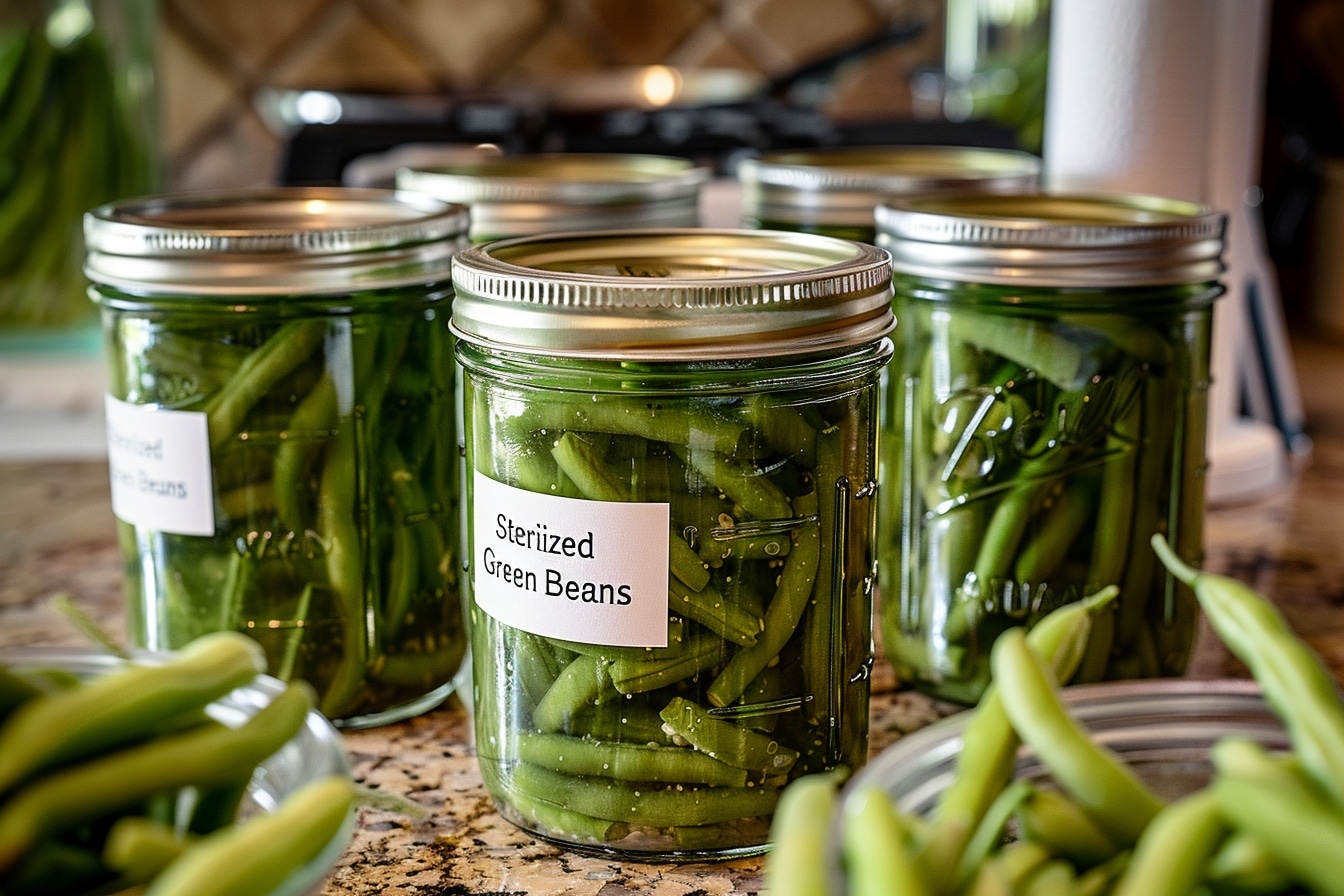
x,y
77,129
537,193
1045,416
835,191
280,432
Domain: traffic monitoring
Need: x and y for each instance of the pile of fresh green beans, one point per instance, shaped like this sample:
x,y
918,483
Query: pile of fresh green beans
x,y
1034,453
684,748
335,490
125,780
71,138
1264,824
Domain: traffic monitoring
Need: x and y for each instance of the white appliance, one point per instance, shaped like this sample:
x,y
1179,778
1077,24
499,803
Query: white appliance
x,y
1162,97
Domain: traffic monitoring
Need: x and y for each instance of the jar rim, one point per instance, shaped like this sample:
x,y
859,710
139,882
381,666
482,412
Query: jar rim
x,y
284,240
672,293
579,178
1054,239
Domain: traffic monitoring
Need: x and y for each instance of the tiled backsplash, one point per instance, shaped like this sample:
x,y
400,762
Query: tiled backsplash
x,y
214,55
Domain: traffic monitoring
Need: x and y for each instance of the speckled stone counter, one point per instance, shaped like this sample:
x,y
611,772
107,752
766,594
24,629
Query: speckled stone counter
x,y
57,536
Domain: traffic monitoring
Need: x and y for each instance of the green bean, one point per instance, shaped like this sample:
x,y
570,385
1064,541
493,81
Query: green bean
x,y
298,451
727,742
989,748
877,858
627,762
643,804
586,681
577,460
798,836
989,833
1032,343
727,619
259,854
638,676
636,724
138,848
1300,827
1295,681
679,640
338,523
1008,868
1098,880
1170,856
673,425
781,617
1103,785
289,347
757,495
1042,555
1242,865
206,756
115,710
1054,878
1055,821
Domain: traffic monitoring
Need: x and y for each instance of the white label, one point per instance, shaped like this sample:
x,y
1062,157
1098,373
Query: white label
x,y
590,571
159,461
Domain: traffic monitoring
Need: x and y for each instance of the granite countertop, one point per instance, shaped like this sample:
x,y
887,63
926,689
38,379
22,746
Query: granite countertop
x,y
57,536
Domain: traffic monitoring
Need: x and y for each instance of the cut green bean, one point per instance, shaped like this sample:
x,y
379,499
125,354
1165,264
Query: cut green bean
x,y
1103,785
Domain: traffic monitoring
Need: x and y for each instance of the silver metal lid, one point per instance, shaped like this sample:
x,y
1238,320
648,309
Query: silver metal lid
x,y
285,241
527,194
843,186
672,294
1054,239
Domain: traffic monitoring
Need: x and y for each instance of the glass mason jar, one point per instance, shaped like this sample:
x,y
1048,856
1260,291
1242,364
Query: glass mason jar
x,y
549,192
836,191
281,434
1044,417
671,444
77,129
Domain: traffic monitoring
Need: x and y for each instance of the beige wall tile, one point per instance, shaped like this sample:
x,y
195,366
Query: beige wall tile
x,y
244,154
250,34
556,51
782,34
473,41
193,93
640,33
352,51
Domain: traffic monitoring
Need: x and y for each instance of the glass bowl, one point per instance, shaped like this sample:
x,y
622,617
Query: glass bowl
x,y
1163,728
314,752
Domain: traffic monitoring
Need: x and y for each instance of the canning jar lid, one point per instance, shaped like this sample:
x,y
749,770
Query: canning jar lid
x,y
281,241
526,194
672,294
843,185
1063,240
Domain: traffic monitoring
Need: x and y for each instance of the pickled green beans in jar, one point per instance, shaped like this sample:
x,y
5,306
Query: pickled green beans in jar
x,y
281,434
671,452
1045,417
